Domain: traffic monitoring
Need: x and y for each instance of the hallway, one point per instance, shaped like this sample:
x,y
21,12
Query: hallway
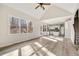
x,y
43,46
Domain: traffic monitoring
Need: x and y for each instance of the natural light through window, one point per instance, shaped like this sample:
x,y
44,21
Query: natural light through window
x,y
45,49
50,39
38,44
27,50
56,38
59,38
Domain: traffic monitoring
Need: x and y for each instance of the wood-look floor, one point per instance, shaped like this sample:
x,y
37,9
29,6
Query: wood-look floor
x,y
44,46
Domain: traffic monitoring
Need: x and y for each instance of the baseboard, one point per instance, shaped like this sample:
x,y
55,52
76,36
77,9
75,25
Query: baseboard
x,y
19,42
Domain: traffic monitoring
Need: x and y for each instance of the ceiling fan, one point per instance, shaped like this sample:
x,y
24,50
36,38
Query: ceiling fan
x,y
42,5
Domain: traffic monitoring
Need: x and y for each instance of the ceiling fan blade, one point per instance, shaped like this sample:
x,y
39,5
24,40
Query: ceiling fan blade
x,y
37,7
46,3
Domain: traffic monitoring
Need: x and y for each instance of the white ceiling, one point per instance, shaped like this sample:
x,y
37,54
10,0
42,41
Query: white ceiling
x,y
55,12
28,8
52,11
58,20
71,7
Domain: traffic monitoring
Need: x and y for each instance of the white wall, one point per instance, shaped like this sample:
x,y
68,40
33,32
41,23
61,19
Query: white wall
x,y
5,37
69,29
72,30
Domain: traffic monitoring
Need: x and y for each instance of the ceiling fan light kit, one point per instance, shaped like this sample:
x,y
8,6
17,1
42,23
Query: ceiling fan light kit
x,y
42,5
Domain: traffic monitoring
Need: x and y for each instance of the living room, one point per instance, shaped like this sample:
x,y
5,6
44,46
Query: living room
x,y
24,24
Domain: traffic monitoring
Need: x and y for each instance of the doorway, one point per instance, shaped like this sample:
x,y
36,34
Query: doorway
x,y
76,28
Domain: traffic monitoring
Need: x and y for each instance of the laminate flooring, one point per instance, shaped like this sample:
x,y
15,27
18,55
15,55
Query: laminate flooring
x,y
43,46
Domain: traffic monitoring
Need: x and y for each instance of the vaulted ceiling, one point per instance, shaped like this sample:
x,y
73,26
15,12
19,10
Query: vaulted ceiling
x,y
54,10
28,8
